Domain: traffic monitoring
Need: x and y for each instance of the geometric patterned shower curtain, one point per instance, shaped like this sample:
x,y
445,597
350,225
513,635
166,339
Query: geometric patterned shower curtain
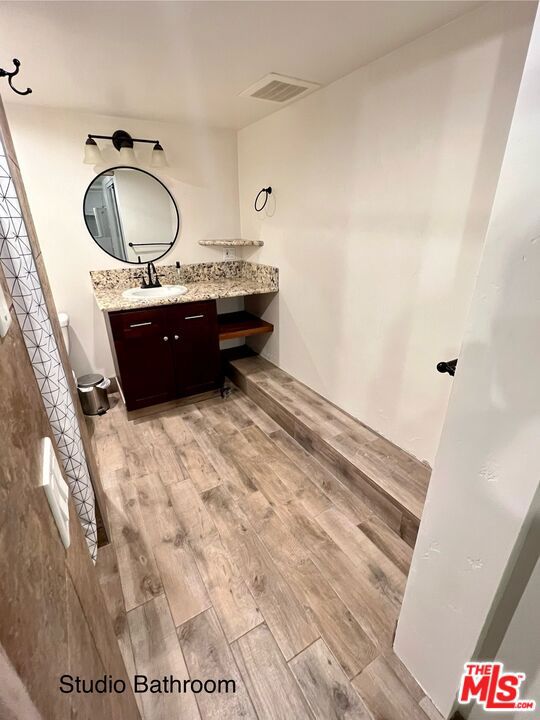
x,y
32,314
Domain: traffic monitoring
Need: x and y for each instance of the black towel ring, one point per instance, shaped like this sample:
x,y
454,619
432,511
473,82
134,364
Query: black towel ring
x,y
268,192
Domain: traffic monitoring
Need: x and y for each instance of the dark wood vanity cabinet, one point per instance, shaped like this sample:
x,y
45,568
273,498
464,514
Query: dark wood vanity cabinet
x,y
195,346
143,357
165,352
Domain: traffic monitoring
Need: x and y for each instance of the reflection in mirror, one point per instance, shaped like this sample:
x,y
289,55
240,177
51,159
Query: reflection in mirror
x,y
131,215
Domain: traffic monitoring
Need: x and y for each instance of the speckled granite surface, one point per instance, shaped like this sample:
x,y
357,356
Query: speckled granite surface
x,y
232,243
205,281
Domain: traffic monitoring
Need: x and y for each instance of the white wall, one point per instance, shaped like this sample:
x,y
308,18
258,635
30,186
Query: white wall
x,y
202,177
488,465
383,182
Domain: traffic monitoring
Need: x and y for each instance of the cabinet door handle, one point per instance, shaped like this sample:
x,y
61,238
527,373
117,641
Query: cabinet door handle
x,y
193,317
165,338
140,324
176,337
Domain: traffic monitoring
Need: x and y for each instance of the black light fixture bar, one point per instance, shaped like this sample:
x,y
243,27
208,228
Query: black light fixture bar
x,y
110,137
121,138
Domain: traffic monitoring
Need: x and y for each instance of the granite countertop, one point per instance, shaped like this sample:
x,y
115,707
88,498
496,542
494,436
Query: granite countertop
x,y
232,243
204,281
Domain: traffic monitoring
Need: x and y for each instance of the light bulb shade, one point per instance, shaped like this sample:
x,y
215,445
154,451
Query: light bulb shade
x,y
158,157
127,154
92,153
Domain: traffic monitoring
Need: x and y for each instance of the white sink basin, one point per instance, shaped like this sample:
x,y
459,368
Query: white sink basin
x,y
165,291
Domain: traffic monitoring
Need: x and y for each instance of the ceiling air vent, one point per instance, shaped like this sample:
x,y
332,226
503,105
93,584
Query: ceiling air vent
x,y
279,88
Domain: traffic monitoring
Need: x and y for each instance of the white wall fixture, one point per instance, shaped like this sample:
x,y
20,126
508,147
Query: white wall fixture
x,y
56,490
280,89
158,156
92,153
5,316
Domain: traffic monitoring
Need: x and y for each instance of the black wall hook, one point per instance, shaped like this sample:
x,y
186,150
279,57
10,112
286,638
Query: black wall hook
x,y
267,191
10,75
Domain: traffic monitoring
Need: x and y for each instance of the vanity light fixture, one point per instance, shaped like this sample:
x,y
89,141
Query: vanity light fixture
x,y
123,142
158,156
127,154
92,153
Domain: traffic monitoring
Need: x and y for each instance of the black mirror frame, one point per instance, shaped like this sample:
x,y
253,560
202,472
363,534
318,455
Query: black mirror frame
x,y
129,167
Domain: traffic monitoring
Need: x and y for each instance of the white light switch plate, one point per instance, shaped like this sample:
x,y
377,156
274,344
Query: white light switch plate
x,y
56,490
5,315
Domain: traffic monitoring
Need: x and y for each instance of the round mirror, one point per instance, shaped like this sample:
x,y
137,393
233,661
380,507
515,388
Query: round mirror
x,y
131,215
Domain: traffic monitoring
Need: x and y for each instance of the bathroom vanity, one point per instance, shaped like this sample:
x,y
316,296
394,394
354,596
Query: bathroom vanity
x,y
169,347
165,352
163,323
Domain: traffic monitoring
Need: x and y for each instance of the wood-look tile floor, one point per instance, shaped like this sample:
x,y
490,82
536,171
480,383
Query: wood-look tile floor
x,y
233,561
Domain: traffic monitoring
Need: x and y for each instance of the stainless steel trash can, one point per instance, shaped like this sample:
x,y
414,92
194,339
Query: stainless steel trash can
x,y
93,394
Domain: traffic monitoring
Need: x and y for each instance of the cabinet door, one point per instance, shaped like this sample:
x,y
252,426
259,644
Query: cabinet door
x,y
195,346
144,356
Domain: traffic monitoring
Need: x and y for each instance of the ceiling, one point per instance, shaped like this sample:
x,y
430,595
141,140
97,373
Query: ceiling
x,y
190,60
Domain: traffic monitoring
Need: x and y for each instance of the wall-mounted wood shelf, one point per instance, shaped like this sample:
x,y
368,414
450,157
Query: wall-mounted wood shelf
x,y
241,324
231,243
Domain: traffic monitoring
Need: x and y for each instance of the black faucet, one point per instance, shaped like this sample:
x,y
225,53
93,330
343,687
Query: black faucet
x,y
152,283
